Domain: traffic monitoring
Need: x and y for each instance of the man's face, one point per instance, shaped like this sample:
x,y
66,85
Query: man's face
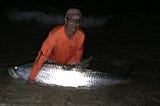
x,y
72,23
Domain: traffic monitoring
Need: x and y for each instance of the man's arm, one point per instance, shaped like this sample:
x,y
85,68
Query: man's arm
x,y
40,59
43,55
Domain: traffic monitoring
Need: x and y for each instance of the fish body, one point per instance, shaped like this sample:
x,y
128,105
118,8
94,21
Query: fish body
x,y
52,74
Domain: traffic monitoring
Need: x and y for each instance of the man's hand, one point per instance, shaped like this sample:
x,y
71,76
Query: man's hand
x,y
31,82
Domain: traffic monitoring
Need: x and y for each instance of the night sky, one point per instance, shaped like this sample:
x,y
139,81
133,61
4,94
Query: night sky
x,y
87,6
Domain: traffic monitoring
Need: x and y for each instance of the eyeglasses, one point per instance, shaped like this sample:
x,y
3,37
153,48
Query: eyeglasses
x,y
77,21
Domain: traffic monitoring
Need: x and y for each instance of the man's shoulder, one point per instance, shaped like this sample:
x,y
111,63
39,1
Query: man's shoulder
x,y
57,28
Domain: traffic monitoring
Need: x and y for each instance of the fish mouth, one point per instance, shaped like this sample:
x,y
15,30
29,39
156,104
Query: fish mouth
x,y
13,73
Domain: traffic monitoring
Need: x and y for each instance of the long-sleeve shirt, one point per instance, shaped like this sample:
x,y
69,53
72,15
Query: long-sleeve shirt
x,y
58,47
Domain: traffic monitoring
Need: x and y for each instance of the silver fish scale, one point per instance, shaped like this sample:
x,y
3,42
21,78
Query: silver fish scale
x,y
52,74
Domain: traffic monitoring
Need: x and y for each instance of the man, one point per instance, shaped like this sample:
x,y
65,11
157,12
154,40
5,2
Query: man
x,y
64,44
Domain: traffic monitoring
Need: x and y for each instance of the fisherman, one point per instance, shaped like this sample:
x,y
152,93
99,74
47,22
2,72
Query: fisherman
x,y
64,44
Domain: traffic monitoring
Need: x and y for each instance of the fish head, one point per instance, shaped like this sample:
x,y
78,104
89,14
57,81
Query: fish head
x,y
13,72
21,71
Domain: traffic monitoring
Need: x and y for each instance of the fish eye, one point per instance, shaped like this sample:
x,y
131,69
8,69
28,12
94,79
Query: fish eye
x,y
15,67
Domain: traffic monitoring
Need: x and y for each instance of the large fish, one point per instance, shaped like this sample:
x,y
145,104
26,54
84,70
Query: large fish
x,y
52,74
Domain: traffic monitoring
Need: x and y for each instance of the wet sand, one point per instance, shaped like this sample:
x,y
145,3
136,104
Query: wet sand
x,y
18,93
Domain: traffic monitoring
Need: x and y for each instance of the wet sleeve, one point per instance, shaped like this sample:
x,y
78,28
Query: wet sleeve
x,y
42,56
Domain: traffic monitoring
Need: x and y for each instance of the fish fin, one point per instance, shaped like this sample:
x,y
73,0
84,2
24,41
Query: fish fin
x,y
85,63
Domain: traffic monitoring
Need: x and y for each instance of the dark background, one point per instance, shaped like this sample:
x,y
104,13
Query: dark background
x,y
96,7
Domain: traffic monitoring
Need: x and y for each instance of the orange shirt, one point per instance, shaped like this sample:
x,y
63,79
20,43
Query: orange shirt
x,y
59,48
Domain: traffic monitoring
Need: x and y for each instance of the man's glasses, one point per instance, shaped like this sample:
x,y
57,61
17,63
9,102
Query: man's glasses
x,y
77,21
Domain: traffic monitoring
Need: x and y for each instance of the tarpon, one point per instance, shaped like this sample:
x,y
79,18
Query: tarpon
x,y
52,74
